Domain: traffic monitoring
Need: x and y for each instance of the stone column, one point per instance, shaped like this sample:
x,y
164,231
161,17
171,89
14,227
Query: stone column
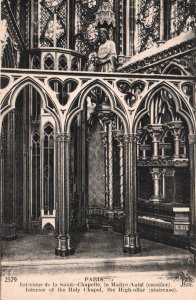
x,y
13,161
68,23
128,31
155,131
110,165
133,16
27,163
192,157
119,138
162,22
176,128
163,184
63,196
156,174
121,10
105,144
9,213
131,238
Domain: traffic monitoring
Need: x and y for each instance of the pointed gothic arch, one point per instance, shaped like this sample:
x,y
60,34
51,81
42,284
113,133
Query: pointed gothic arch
x,y
116,104
164,122
11,96
182,106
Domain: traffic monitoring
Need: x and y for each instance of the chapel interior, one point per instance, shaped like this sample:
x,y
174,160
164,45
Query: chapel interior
x,y
109,150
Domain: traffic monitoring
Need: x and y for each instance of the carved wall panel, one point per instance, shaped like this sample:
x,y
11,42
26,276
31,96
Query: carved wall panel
x,y
96,169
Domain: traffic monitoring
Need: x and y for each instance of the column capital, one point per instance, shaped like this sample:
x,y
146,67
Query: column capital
x,y
156,173
176,128
106,117
130,137
155,130
63,137
192,139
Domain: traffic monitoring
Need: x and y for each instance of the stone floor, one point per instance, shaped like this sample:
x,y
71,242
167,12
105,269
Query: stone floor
x,y
90,244
91,247
30,259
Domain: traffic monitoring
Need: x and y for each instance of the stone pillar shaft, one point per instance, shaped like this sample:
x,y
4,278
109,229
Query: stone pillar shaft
x,y
121,175
131,238
118,136
192,155
63,195
156,188
155,132
105,145
162,23
12,163
163,184
176,147
110,165
127,17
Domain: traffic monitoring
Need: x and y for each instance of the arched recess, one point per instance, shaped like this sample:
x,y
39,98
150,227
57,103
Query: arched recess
x,y
95,123
164,121
22,172
98,158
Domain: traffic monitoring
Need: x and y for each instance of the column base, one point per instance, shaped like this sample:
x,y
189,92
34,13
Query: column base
x,y
154,199
63,246
66,252
131,245
130,250
9,232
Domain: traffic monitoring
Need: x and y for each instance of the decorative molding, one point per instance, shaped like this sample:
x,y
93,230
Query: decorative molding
x,y
162,162
157,62
63,137
130,138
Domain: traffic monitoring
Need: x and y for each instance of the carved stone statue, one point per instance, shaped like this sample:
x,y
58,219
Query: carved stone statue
x,y
106,56
105,59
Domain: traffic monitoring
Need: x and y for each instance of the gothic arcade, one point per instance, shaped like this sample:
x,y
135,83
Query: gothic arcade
x,y
112,151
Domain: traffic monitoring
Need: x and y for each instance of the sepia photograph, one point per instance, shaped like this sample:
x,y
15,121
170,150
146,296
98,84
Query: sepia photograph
x,y
98,149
